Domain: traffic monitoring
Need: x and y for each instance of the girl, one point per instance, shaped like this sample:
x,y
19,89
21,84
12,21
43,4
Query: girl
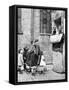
x,y
20,61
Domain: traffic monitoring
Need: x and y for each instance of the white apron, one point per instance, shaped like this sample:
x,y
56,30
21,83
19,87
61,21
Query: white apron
x,y
42,63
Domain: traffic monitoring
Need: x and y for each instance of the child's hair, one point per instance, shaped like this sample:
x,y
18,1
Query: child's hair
x,y
19,50
36,40
26,48
32,42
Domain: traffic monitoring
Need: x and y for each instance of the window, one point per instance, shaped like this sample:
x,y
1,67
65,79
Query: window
x,y
19,22
45,22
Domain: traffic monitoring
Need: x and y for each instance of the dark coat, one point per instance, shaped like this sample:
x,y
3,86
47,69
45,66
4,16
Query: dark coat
x,y
33,57
59,46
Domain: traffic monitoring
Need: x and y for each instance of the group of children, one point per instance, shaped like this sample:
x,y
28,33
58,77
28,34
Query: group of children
x,y
31,59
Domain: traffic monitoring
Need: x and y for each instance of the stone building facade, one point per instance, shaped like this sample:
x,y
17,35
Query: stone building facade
x,y
30,30
37,24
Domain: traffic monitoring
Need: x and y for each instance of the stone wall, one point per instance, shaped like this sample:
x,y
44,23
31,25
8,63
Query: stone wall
x,y
30,26
25,27
32,22
44,41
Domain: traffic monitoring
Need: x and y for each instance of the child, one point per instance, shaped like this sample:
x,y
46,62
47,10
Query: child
x,y
25,56
42,67
20,61
42,63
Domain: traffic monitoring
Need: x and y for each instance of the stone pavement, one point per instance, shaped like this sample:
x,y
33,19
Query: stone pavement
x,y
48,75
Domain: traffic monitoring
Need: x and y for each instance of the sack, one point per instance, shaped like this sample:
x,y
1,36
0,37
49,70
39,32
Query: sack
x,y
56,38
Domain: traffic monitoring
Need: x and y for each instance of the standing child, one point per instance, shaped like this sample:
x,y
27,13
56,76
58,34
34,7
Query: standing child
x,y
20,61
42,63
25,56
